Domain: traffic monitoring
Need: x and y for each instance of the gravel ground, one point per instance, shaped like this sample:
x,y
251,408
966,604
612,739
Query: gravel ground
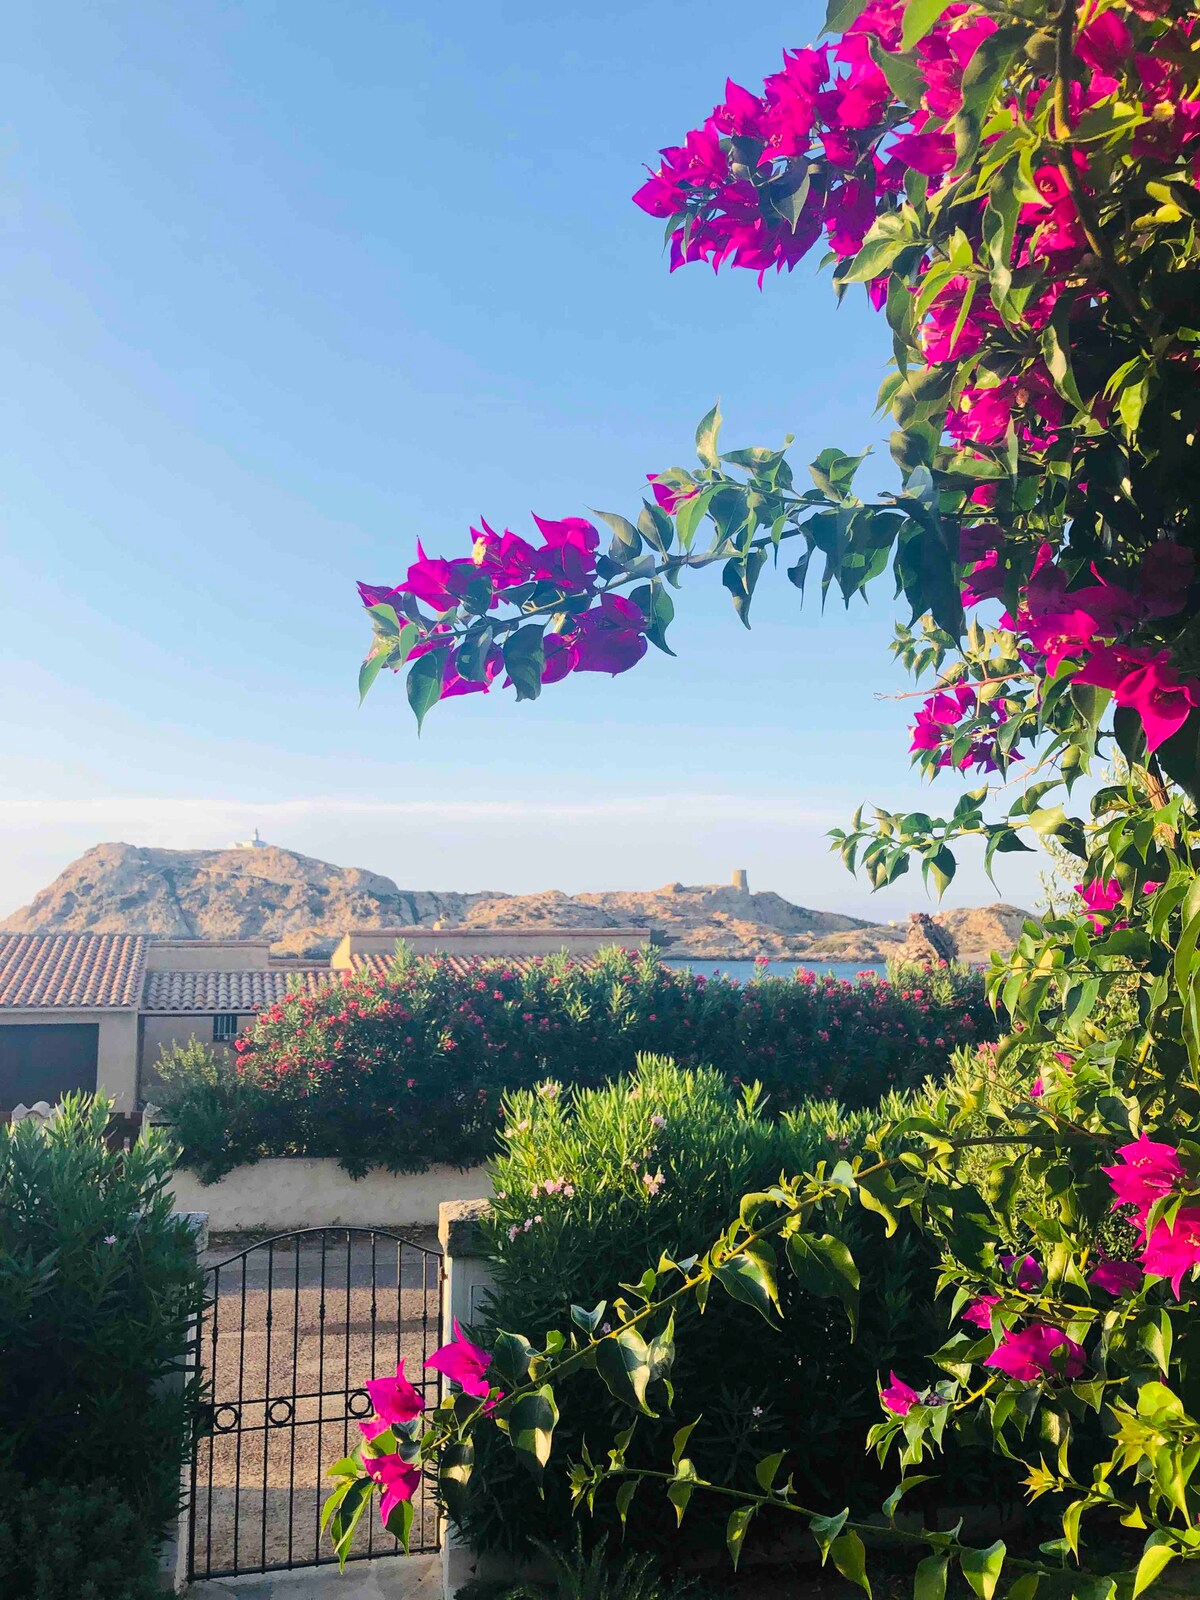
x,y
320,1316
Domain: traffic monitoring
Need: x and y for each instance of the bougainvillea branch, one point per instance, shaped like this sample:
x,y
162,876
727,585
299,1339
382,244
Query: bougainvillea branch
x,y
1015,188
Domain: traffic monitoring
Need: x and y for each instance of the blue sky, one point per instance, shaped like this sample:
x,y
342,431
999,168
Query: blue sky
x,y
287,286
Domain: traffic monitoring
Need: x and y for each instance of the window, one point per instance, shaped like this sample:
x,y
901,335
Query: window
x,y
225,1027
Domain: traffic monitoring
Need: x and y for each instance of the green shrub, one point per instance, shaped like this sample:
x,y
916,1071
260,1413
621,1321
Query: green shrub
x,y
408,1070
97,1284
592,1187
592,1575
70,1542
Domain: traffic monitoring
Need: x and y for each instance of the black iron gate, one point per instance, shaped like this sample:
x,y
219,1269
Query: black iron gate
x,y
292,1329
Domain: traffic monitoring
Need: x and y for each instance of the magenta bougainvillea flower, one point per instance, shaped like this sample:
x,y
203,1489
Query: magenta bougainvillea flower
x,y
463,1363
1039,1351
1173,1248
395,1399
1116,1277
399,1480
980,1311
898,1397
1147,1170
1100,897
1027,1274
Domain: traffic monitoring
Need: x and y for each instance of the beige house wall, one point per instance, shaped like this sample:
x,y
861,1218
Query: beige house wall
x,y
160,1031
116,1048
487,942
284,1192
205,955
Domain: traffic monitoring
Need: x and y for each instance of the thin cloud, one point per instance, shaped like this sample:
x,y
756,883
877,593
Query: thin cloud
x,y
125,812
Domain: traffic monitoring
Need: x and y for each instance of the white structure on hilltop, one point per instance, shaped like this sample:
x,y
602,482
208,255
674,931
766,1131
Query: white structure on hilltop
x,y
250,844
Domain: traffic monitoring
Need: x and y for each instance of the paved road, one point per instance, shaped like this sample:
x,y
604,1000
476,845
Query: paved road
x,y
295,1330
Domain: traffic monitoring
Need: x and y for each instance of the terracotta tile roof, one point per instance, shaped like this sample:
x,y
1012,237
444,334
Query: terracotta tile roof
x,y
244,991
379,966
96,971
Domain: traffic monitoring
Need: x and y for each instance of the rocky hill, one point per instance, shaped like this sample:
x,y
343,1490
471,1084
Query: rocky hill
x,y
303,906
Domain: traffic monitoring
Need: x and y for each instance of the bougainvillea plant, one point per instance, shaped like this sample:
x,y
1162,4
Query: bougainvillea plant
x,y
1015,186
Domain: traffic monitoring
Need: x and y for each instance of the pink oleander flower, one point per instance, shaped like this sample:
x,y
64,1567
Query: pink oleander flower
x,y
395,1399
1029,1275
1173,1248
398,1479
1039,1351
1116,1277
898,1397
980,1311
1149,1169
463,1363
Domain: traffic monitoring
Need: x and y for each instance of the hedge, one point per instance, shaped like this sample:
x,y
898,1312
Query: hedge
x,y
98,1284
409,1069
592,1186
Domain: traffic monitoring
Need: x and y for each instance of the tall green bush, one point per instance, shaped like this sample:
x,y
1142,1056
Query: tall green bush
x,y
595,1185
97,1284
409,1069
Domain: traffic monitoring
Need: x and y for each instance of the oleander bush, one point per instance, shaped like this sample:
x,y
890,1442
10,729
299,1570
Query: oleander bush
x,y
98,1281
410,1069
594,1186
73,1542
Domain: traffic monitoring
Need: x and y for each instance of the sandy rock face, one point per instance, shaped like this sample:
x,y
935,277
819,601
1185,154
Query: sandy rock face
x,y
303,906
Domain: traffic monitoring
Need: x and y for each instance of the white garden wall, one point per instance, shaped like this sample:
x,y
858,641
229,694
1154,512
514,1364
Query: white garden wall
x,y
288,1192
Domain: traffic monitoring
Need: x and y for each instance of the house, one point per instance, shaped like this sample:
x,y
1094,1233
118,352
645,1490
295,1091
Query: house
x,y
95,1010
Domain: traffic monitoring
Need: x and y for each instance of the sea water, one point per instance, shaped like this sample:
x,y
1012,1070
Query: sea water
x,y
743,970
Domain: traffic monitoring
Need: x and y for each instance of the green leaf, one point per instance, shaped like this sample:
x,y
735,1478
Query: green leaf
x,y
1025,1587
531,1423
929,1580
824,1266
706,437
902,73
627,541
789,200
749,1276
625,1495
511,1355
455,1464
735,1531
424,684
399,1523
1158,1551
981,1568
919,17
740,576
589,1321
679,1444
623,1361
681,1488
873,259
767,1470
841,13
826,1529
1056,352
370,670
850,1558
524,660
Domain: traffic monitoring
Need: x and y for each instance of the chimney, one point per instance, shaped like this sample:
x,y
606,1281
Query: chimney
x,y
740,881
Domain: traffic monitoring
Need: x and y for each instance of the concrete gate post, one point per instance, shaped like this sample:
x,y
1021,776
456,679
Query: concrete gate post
x,y
173,1556
466,1280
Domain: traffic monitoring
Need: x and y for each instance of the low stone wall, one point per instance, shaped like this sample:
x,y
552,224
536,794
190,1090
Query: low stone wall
x,y
282,1193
